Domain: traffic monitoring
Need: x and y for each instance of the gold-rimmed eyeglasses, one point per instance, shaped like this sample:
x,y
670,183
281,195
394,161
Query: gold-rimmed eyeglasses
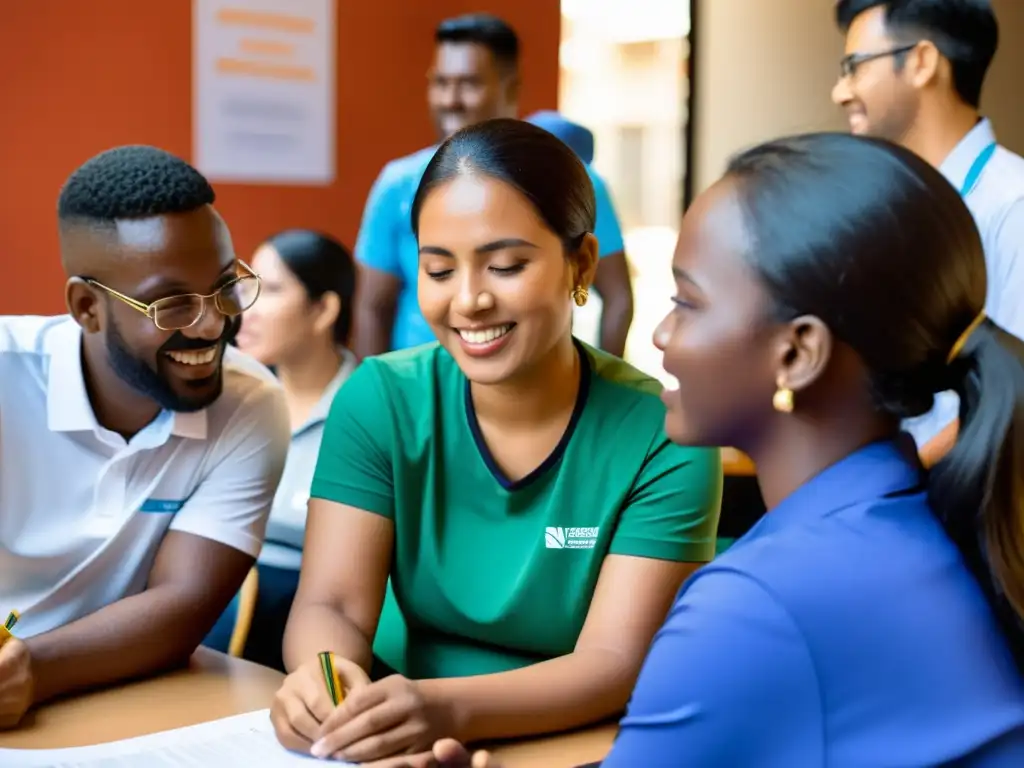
x,y
175,313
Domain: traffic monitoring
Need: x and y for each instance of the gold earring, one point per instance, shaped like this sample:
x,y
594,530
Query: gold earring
x,y
580,295
782,400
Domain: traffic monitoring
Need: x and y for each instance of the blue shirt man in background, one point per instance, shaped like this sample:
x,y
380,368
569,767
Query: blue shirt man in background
x,y
474,77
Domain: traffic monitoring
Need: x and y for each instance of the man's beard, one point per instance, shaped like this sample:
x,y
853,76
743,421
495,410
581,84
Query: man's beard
x,y
141,377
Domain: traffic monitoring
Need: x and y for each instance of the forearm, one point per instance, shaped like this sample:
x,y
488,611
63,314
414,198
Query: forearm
x,y
373,332
616,317
313,628
134,637
567,692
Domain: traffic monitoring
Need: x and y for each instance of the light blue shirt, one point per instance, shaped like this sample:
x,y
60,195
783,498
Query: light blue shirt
x,y
386,241
842,630
997,202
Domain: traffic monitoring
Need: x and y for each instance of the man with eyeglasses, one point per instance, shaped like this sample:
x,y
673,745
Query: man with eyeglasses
x,y
913,73
139,453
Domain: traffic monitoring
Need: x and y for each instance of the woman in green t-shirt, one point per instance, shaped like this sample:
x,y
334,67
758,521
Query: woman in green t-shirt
x,y
514,485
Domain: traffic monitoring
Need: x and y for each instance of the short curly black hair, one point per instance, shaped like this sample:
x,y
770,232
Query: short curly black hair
x,y
130,182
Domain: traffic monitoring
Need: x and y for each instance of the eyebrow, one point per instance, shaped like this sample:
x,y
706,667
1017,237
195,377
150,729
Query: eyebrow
x,y
170,288
491,247
684,276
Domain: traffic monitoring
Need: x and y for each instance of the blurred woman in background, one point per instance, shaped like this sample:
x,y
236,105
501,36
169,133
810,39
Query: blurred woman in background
x,y
299,329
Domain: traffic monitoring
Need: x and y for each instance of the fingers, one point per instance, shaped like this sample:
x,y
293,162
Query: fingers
x,y
361,700
353,677
293,723
421,760
311,689
11,653
384,742
287,736
16,683
300,706
301,719
451,754
484,760
374,731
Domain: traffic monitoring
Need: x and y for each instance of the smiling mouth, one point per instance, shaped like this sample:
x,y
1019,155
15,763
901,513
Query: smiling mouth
x,y
194,357
484,335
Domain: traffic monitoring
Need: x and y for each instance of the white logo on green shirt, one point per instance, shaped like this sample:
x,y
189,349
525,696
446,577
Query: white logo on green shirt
x,y
570,538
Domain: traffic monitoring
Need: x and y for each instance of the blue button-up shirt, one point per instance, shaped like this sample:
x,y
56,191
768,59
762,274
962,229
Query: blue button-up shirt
x,y
842,630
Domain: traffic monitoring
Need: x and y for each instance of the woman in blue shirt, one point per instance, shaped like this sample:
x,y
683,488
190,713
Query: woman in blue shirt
x,y
826,288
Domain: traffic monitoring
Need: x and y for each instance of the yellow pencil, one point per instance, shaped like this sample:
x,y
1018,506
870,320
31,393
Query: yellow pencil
x,y
334,688
5,630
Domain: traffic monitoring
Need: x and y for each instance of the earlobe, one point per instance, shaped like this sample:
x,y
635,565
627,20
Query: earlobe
x,y
330,308
82,305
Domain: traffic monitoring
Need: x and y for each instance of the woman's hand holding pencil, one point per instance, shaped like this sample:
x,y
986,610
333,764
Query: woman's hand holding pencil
x,y
309,695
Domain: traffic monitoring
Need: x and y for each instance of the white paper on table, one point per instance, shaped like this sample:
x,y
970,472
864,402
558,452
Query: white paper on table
x,y
242,741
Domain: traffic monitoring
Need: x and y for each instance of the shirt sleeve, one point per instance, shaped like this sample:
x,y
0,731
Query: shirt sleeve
x,y
1006,306
729,681
232,503
672,511
354,466
606,229
377,241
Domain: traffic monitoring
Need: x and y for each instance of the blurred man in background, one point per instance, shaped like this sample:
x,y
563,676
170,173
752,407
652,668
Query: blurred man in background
x,y
474,77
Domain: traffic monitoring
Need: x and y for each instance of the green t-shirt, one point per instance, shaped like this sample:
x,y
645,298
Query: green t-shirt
x,y
490,575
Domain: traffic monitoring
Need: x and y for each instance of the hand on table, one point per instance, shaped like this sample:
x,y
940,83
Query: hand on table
x,y
303,703
391,717
447,753
16,684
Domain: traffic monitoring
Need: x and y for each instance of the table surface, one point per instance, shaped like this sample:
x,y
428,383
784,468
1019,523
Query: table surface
x,y
216,686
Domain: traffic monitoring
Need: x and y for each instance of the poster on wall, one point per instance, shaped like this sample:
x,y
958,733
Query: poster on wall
x,y
263,90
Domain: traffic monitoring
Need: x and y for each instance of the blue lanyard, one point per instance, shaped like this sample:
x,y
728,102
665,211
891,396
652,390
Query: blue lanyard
x,y
976,168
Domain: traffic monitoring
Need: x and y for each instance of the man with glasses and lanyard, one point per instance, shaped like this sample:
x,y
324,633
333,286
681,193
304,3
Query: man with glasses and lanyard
x,y
913,73
139,453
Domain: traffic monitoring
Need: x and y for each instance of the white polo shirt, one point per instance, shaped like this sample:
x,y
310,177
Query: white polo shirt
x,y
83,511
997,202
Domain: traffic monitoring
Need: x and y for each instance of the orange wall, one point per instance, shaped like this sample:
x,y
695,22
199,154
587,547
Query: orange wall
x,y
78,77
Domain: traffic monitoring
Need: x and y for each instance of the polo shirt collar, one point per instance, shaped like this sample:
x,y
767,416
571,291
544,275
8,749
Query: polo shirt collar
x,y
958,163
323,406
876,470
67,401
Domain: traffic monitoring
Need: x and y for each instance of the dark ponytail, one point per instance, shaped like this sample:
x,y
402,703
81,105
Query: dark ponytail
x,y
978,488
